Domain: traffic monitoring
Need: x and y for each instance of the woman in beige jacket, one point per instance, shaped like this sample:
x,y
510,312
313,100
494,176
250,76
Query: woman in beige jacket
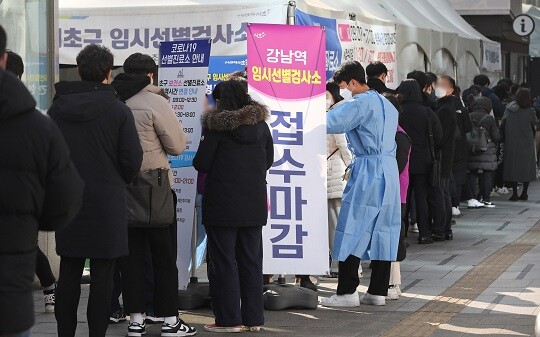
x,y
338,158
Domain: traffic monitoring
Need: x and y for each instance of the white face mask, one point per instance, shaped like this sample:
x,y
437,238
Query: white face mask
x,y
346,94
329,104
440,92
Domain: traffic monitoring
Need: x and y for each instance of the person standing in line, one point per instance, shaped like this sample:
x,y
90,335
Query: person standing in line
x,y
338,158
518,130
101,135
377,73
459,166
483,165
44,273
446,111
236,151
403,152
414,120
369,222
160,134
41,190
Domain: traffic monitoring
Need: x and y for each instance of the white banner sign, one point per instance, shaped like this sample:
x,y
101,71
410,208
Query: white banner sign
x,y
183,70
491,56
129,32
286,72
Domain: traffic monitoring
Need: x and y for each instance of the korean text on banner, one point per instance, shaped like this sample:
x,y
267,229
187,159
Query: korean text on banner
x,y
348,40
183,70
286,72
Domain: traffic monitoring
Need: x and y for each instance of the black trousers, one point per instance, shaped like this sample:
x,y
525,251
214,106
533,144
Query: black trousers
x,y
68,292
164,268
348,279
442,214
485,181
235,275
424,196
43,270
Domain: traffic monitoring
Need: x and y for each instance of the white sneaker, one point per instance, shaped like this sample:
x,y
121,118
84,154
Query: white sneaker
x,y
369,299
503,190
488,204
414,228
494,193
360,272
393,293
455,211
349,300
473,203
398,287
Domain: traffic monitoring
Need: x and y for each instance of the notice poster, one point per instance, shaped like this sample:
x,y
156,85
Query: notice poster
x,y
348,40
183,70
286,72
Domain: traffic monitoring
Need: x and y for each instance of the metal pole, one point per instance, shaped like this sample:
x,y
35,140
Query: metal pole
x,y
291,18
51,19
194,238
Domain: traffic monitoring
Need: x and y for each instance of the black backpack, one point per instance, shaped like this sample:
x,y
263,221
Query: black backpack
x,y
477,139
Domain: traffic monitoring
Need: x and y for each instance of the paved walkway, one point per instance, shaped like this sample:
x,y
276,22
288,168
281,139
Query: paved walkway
x,y
484,283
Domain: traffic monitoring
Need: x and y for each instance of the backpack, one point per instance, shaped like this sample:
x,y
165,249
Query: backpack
x,y
477,139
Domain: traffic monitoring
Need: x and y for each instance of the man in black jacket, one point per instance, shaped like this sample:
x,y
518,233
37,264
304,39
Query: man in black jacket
x,y
100,132
425,85
446,111
41,190
484,82
377,73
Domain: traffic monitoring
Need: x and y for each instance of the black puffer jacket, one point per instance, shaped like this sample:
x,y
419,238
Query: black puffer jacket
x,y
414,120
104,144
446,111
40,190
461,153
236,151
481,117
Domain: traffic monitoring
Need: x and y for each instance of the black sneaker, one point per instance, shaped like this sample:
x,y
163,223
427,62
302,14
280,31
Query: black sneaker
x,y
136,329
118,316
50,300
179,329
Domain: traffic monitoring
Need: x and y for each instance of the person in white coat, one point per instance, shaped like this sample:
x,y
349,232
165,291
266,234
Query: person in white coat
x,y
338,157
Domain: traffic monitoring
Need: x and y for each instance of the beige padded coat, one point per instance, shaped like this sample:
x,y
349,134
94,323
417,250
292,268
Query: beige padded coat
x,y
160,132
337,164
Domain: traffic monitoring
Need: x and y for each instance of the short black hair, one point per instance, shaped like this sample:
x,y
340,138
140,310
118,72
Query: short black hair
x,y
501,90
420,77
506,81
3,40
376,69
94,63
432,78
15,64
139,64
333,88
350,70
481,80
232,96
450,80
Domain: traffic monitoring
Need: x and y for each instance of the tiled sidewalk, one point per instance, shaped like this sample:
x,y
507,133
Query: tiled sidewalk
x,y
504,301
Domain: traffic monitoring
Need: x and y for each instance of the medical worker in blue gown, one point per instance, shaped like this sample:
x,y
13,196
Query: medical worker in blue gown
x,y
369,222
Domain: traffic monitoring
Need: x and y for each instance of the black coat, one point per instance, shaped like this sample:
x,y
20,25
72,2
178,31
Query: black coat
x,y
378,85
414,120
40,190
461,153
446,111
104,144
236,151
488,159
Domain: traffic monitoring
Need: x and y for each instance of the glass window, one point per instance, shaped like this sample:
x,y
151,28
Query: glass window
x,y
28,24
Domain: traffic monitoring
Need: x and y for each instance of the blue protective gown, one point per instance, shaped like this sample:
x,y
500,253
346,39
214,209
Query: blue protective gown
x,y
370,219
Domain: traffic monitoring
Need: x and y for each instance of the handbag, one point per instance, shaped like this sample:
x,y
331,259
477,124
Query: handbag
x,y
477,139
435,173
149,200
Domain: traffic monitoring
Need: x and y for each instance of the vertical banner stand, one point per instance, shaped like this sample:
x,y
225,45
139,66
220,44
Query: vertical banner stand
x,y
197,294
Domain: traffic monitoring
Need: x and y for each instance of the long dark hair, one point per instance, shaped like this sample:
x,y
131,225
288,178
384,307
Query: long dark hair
x,y
232,96
333,88
523,98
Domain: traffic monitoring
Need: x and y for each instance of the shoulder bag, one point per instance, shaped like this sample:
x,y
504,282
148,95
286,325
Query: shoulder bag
x,y
435,174
150,200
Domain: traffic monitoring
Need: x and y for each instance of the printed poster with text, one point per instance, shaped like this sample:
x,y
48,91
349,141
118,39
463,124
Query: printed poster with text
x,y
183,70
286,72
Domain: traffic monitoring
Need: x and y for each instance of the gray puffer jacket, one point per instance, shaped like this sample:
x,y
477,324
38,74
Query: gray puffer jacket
x,y
481,116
